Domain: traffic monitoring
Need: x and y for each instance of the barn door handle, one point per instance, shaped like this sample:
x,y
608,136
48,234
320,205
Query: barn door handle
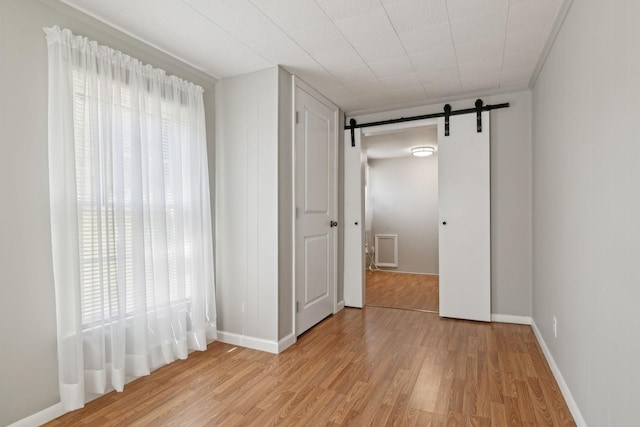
x,y
333,224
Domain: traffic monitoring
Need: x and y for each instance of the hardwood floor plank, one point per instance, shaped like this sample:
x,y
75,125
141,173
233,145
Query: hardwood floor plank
x,y
446,362
157,413
469,406
542,415
495,378
394,390
350,399
525,402
498,415
454,419
425,391
402,290
456,396
428,419
321,417
397,413
371,366
513,412
555,401
476,421
483,402
507,375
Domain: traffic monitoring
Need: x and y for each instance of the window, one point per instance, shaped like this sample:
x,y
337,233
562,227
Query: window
x,y
130,216
105,221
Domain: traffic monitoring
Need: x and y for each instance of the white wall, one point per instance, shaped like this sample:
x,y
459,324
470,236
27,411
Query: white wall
x,y
586,206
510,197
28,362
404,201
247,207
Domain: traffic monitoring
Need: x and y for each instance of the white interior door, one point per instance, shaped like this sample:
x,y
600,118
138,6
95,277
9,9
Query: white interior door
x,y
354,256
316,210
464,205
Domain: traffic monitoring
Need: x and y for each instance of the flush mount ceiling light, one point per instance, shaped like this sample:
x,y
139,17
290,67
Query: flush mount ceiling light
x,y
422,151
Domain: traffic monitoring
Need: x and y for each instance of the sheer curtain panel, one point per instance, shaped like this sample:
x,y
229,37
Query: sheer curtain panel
x,y
130,217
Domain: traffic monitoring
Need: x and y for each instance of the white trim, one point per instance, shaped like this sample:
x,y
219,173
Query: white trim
x,y
286,342
339,306
563,10
509,318
382,270
336,203
394,127
42,417
294,297
249,342
564,388
298,82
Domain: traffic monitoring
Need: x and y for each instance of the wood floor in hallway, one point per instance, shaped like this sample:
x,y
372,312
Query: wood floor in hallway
x,y
402,290
360,367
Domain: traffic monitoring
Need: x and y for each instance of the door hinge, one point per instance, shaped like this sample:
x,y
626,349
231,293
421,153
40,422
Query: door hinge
x,y
297,307
297,119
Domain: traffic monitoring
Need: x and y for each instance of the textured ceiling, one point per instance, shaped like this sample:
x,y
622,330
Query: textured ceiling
x,y
364,55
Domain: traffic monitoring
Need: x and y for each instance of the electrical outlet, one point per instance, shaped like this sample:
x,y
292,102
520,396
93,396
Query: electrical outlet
x,y
555,327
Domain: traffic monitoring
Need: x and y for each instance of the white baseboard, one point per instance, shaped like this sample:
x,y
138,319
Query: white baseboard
x,y
286,342
382,269
249,342
508,318
564,388
42,417
339,307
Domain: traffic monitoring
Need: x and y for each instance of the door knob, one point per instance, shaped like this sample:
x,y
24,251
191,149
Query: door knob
x,y
333,224
444,222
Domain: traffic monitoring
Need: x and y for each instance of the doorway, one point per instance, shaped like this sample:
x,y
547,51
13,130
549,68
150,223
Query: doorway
x,y
401,218
464,244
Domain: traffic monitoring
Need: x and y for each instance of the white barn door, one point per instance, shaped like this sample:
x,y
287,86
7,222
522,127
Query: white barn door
x,y
464,206
354,264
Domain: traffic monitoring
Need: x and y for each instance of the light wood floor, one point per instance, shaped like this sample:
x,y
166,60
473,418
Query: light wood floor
x,y
402,290
374,366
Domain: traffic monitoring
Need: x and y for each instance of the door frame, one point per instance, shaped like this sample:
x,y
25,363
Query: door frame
x,y
350,286
299,84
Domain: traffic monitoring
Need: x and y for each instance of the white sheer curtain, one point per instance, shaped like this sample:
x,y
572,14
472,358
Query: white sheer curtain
x,y
130,216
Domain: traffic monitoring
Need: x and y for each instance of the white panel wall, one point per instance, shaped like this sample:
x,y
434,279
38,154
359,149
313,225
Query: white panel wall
x,y
247,207
510,197
586,206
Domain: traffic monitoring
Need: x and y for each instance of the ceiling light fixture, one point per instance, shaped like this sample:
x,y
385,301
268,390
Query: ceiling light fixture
x,y
422,151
